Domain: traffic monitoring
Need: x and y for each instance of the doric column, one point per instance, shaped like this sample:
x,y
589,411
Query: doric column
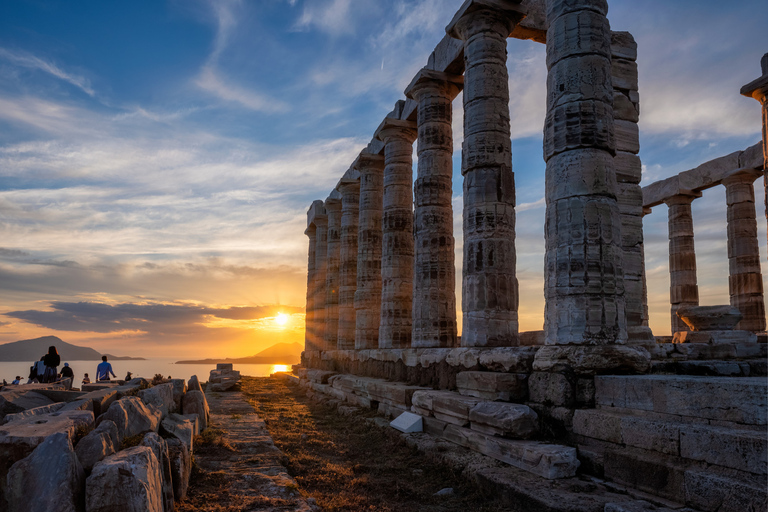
x,y
321,267
626,112
350,211
489,283
310,341
333,209
434,275
745,282
584,279
397,233
368,293
683,290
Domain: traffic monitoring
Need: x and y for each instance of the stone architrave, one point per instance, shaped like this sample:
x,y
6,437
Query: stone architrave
x,y
626,113
350,212
758,89
683,289
368,293
489,282
745,282
434,275
321,269
333,209
397,233
310,341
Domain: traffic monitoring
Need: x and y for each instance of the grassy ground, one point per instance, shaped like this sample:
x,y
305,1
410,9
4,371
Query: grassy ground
x,y
347,464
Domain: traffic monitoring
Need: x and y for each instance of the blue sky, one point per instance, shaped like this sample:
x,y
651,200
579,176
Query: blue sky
x,y
159,156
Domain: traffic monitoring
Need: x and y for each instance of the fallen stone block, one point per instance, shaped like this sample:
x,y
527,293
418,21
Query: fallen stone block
x,y
37,411
181,467
50,478
745,450
320,376
224,384
194,384
132,417
102,399
713,493
160,448
635,506
59,395
181,428
95,386
514,421
99,443
17,401
160,397
493,385
179,388
130,480
407,423
79,405
394,393
194,402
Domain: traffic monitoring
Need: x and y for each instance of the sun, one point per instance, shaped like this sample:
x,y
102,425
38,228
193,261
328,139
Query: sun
x,y
281,319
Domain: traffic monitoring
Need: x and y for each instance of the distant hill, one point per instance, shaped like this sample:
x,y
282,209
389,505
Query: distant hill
x,y
280,353
34,349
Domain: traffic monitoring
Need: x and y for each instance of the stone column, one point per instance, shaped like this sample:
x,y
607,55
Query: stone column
x,y
368,293
489,283
350,211
683,290
333,209
758,89
584,279
434,276
310,340
321,268
745,282
626,112
397,233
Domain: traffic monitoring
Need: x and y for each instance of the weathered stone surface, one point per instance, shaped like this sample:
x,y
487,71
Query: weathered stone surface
x,y
710,318
551,389
320,276
635,506
160,397
195,403
742,450
37,411
130,480
350,213
50,478
514,421
493,385
331,288
160,448
181,467
592,359
101,399
181,428
713,493
18,401
179,388
132,417
194,384
728,338
99,443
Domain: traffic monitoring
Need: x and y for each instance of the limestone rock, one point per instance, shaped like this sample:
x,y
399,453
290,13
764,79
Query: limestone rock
x,y
160,396
181,428
181,467
102,399
179,388
194,384
51,478
129,481
132,416
101,442
195,403
590,359
710,318
160,449
17,401
507,420
37,411
493,385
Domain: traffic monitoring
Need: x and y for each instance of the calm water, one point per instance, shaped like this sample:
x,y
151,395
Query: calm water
x,y
146,369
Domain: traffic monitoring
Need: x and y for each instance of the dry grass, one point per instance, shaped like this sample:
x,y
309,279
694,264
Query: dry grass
x,y
348,464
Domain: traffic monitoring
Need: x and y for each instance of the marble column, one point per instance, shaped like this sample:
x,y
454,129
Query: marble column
x,y
758,89
368,293
745,281
310,341
584,278
626,113
683,289
333,210
321,267
350,211
489,282
434,275
397,233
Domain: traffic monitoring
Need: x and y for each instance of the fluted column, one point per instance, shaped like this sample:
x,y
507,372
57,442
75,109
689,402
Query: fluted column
x,y
683,288
333,209
397,234
310,340
350,211
489,282
434,275
368,293
745,282
321,267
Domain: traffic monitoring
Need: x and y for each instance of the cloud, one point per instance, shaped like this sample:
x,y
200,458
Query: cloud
x,y
330,16
27,60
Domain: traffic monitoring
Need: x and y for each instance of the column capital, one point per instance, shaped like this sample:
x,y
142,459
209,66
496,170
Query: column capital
x,y
430,80
396,129
683,196
311,231
333,202
758,88
742,176
481,15
348,186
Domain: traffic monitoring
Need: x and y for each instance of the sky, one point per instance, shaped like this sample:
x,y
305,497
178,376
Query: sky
x,y
157,158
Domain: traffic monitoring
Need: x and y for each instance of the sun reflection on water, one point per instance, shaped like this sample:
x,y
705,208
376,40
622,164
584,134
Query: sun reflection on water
x,y
278,368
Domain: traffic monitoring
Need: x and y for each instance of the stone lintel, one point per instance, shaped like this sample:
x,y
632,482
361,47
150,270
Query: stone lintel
x,y
514,10
427,77
623,46
742,175
448,56
534,25
410,110
369,159
683,195
334,199
389,124
316,210
756,88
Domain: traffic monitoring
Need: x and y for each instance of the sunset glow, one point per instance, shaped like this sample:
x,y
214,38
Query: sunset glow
x,y
281,319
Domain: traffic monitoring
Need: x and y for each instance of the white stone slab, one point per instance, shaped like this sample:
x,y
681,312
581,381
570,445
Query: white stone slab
x,y
407,423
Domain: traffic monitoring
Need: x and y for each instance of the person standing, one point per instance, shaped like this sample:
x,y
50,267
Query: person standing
x,y
103,370
51,361
67,373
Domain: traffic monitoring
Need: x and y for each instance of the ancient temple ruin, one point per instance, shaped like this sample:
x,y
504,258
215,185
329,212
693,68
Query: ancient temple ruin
x,y
681,419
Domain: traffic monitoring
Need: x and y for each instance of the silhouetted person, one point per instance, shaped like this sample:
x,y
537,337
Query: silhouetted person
x,y
39,367
67,373
51,360
16,382
128,376
104,370
86,379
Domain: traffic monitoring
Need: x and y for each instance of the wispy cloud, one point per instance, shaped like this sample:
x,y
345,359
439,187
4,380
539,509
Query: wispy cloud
x,y
330,16
27,60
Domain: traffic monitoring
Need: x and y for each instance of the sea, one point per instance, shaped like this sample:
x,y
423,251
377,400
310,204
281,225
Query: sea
x,y
147,368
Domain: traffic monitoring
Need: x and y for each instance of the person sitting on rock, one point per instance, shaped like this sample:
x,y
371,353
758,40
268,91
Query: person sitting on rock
x,y
86,379
128,376
17,381
103,370
67,373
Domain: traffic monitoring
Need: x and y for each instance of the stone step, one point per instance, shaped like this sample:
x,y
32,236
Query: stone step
x,y
742,400
748,368
743,450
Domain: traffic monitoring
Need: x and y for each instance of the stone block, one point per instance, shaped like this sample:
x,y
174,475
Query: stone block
x,y
17,401
130,480
194,402
390,411
577,33
508,359
320,376
624,74
624,109
101,399
181,428
623,46
514,421
745,450
635,506
159,447
181,467
395,393
656,436
407,423
160,397
651,474
224,366
493,385
179,388
551,389
37,411
627,136
715,337
99,443
194,383
592,359
597,425
433,425
96,386
628,167
714,493
132,416
580,174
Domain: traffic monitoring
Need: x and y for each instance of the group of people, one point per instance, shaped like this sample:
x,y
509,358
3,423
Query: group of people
x,y
46,370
